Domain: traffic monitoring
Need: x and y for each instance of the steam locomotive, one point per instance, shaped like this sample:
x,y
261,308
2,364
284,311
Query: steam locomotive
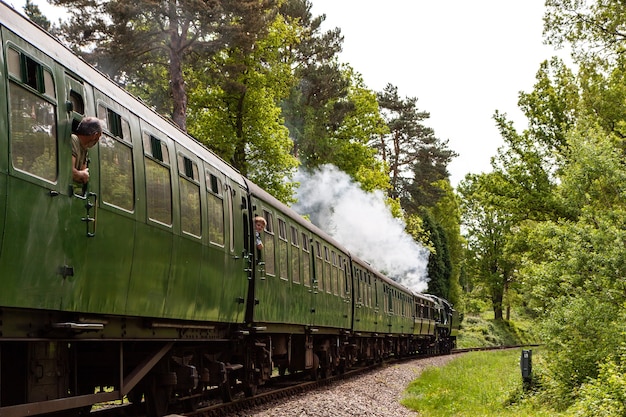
x,y
147,285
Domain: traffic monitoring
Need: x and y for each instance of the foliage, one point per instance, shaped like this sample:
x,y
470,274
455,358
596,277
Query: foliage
x,y
488,231
417,159
137,42
605,396
447,213
243,123
317,104
439,266
34,13
574,270
351,138
594,29
528,166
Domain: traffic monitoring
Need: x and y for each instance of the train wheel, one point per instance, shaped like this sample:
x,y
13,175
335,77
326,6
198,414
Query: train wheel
x,y
228,390
250,390
191,404
135,396
157,396
341,369
315,369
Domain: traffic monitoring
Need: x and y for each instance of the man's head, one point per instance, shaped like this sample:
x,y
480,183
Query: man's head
x,y
89,131
259,223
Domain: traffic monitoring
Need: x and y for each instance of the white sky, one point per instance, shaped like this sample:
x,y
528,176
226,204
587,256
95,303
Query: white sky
x,y
462,59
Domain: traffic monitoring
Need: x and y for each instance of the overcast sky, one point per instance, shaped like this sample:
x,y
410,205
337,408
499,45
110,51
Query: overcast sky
x,y
462,59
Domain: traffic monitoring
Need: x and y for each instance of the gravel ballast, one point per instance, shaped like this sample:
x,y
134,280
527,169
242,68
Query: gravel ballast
x,y
376,394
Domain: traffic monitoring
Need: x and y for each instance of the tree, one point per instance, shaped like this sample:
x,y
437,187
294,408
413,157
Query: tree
x,y
34,13
488,233
574,268
439,265
446,212
318,104
349,139
138,43
595,29
416,158
529,163
238,115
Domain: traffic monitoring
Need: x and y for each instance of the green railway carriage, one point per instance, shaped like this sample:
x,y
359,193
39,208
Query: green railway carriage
x,y
425,327
302,276
424,315
153,250
138,240
302,288
399,309
383,309
369,310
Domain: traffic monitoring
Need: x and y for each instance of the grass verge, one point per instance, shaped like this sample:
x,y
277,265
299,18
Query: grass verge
x,y
485,384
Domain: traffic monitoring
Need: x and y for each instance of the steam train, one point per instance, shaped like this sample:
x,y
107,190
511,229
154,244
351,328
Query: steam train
x,y
147,284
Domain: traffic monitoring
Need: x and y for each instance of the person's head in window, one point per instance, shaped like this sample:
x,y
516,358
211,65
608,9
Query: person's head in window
x,y
259,223
259,226
86,136
89,131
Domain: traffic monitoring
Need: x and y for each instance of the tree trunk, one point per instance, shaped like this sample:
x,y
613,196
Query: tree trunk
x,y
496,299
239,160
179,93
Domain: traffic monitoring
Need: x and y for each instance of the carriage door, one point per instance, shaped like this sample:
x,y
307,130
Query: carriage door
x,y
33,185
76,108
236,279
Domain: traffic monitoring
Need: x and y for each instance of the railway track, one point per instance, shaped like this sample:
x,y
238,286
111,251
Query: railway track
x,y
289,387
279,388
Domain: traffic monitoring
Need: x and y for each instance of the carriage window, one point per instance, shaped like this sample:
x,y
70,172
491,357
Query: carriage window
x,y
13,61
116,170
327,271
158,184
190,216
282,249
269,221
319,266
216,209
156,148
306,258
335,274
231,220
114,123
33,133
268,243
78,105
116,163
282,229
367,292
48,82
375,292
31,73
344,273
295,256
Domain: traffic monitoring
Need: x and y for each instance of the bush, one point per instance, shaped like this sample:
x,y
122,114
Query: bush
x,y
606,395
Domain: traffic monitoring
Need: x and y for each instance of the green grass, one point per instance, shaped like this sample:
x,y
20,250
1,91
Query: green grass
x,y
482,330
477,384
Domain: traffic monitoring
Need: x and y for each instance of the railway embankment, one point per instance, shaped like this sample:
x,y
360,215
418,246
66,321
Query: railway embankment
x,y
479,330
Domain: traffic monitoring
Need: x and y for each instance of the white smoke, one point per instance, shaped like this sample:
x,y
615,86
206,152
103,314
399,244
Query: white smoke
x,y
363,223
